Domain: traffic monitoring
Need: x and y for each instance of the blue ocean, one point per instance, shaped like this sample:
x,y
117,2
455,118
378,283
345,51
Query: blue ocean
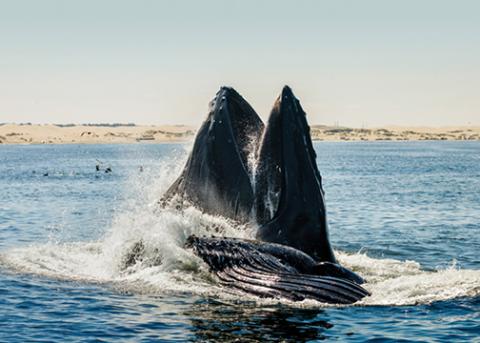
x,y
405,215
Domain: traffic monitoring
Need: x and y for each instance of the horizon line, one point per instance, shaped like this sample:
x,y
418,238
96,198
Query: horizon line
x,y
132,124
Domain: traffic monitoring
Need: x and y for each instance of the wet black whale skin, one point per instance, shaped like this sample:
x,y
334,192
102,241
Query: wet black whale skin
x,y
282,196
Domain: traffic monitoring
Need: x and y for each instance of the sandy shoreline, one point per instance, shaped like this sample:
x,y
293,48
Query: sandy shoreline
x,y
108,134
395,133
85,134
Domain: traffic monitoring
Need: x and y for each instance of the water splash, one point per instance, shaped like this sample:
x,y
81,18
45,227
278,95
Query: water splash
x,y
164,266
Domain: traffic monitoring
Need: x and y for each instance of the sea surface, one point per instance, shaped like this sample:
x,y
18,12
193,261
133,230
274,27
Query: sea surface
x,y
405,215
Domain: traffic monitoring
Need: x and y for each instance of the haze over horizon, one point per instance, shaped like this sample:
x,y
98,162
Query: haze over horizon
x,y
369,63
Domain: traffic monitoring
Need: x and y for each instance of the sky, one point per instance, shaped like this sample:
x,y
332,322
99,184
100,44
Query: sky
x,y
355,63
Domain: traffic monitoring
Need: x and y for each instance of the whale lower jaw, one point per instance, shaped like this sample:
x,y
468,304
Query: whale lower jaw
x,y
271,270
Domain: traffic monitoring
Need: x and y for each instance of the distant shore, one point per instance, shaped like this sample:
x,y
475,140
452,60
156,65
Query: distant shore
x,y
129,133
396,133
92,134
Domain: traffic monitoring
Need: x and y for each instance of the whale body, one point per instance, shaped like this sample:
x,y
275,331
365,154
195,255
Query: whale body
x,y
265,176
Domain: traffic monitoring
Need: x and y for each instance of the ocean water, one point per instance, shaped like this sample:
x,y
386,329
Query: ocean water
x,y
405,215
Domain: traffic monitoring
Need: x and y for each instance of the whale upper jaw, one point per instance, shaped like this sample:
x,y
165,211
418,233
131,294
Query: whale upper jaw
x,y
290,206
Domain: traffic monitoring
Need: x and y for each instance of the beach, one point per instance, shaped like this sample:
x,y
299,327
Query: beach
x,y
396,133
92,134
118,133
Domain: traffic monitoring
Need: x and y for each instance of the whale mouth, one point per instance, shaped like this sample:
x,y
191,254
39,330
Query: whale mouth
x,y
283,193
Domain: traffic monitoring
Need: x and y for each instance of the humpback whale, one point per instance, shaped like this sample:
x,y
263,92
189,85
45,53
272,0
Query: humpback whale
x,y
289,181
216,177
280,194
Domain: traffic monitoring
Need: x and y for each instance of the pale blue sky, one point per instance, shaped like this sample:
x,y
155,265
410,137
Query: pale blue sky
x,y
356,62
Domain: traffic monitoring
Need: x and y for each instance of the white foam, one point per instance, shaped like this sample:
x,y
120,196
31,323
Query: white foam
x,y
140,219
393,282
163,233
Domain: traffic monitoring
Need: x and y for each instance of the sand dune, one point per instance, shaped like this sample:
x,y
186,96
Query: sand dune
x,y
54,134
395,133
